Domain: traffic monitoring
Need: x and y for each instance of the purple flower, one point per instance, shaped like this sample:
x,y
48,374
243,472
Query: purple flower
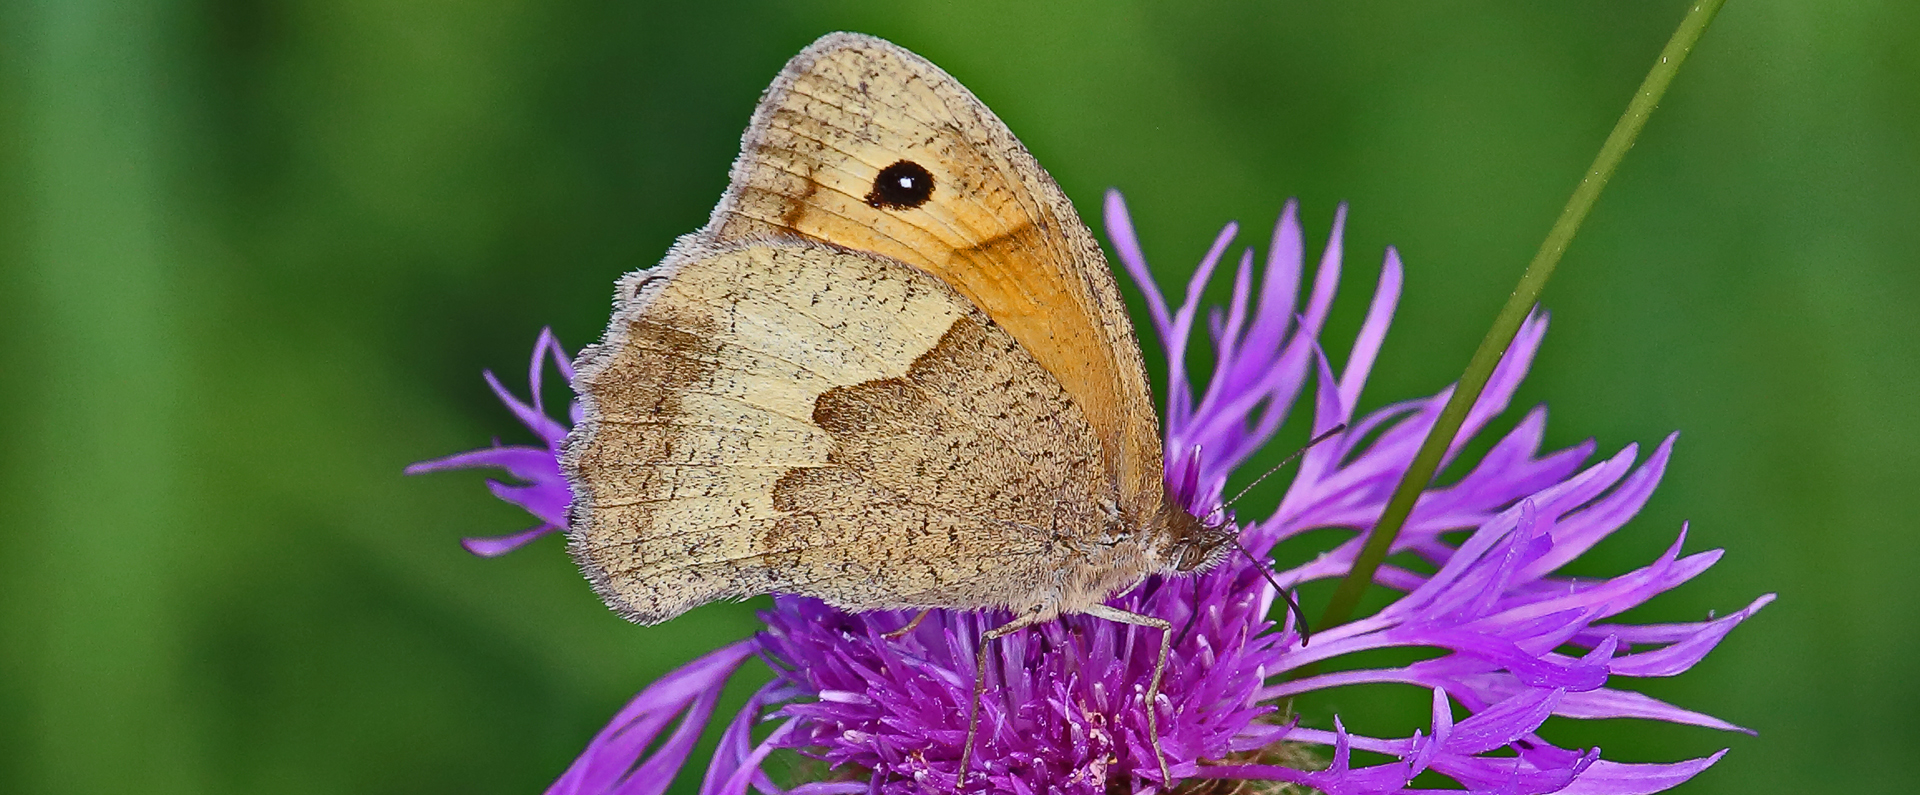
x,y
1510,644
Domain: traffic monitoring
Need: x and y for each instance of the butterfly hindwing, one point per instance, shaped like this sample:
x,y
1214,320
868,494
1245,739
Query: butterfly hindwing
x,y
795,418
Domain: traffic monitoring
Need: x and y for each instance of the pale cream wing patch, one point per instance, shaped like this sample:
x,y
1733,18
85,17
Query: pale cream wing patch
x,y
791,417
995,226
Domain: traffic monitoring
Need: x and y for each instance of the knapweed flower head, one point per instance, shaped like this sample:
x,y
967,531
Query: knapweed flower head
x,y
1510,643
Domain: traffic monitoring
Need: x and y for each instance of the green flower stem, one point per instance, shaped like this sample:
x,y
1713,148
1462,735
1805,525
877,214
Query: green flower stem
x,y
1507,323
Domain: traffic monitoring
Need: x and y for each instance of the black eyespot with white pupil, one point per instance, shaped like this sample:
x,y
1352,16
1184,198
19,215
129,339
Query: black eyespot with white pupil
x,y
901,186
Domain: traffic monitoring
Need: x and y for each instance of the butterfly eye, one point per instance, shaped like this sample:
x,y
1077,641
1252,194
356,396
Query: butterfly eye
x,y
901,186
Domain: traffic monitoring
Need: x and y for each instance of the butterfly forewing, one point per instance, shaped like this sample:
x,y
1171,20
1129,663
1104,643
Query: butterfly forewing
x,y
853,115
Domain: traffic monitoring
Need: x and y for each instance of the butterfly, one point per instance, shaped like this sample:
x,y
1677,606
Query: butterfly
x,y
893,371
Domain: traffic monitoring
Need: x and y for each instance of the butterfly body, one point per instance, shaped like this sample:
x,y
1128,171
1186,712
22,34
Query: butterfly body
x,y
893,371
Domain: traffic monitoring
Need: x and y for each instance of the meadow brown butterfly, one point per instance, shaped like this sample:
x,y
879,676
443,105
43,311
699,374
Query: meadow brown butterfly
x,y
893,371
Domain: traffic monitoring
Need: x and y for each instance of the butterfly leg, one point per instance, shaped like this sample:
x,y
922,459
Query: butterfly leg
x,y
911,626
1153,687
1024,620
1192,618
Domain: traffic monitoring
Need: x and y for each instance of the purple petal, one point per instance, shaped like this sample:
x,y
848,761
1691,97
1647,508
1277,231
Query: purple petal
x,y
1615,778
1611,703
1127,247
1506,378
831,788
539,423
749,774
546,501
495,546
1176,342
1278,283
1680,656
1505,722
1372,333
526,463
1326,279
608,760
1580,531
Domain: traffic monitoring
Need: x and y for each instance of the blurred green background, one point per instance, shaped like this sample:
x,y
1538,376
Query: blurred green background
x,y
255,253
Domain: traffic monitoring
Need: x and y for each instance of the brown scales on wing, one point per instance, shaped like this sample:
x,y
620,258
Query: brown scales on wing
x,y
995,227
920,458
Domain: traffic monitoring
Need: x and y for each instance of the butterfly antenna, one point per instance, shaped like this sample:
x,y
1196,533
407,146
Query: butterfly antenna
x,y
1299,617
1324,435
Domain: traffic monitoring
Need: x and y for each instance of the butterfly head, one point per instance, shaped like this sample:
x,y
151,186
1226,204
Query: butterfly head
x,y
1193,545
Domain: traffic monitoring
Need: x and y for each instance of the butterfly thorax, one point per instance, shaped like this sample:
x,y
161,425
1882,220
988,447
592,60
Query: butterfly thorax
x,y
1170,541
